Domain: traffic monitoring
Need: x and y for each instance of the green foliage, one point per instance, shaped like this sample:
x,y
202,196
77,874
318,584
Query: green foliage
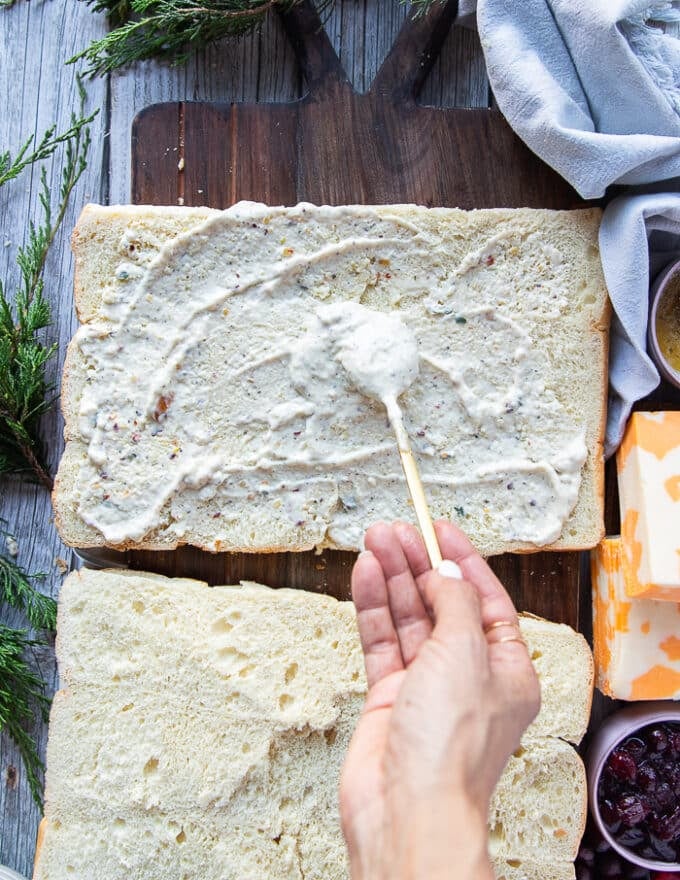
x,y
22,692
167,28
12,167
422,7
18,592
25,394
22,701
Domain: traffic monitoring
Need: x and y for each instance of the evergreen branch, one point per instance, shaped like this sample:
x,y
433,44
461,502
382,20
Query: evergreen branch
x,y
422,7
25,394
18,592
168,28
22,702
12,167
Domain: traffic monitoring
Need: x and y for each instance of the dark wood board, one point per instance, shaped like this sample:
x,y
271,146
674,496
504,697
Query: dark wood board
x,y
337,146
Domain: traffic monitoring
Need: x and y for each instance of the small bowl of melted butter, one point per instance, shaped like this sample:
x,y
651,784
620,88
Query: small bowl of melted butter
x,y
664,323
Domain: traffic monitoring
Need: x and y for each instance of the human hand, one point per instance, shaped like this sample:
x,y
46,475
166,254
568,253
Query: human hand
x,y
451,689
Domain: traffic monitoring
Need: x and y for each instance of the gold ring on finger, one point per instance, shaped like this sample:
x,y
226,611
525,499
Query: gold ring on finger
x,y
498,623
510,639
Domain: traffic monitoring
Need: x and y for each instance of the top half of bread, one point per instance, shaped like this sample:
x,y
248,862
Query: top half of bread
x,y
556,291
268,643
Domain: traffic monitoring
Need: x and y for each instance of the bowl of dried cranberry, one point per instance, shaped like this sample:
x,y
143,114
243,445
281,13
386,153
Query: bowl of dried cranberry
x,y
634,783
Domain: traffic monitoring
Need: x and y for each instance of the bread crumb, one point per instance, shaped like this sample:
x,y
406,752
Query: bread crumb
x,y
12,545
180,164
61,564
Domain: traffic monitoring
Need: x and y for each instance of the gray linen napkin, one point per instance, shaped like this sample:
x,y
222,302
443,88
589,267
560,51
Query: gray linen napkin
x,y
639,236
589,85
593,88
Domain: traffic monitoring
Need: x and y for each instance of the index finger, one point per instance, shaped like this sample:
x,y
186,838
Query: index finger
x,y
379,640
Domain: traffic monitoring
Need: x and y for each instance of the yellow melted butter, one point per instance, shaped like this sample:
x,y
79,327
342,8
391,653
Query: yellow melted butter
x,y
214,405
668,325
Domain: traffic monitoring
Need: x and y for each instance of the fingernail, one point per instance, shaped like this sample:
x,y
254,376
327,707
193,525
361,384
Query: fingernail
x,y
449,569
365,553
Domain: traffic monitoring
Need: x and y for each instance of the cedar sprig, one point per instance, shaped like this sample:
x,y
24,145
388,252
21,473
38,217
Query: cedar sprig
x,y
25,393
17,591
167,28
11,167
22,691
22,702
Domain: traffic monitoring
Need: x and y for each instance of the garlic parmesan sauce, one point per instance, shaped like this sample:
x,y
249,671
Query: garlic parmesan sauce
x,y
241,380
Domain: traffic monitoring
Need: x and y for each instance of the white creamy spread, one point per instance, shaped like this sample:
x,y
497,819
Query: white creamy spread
x,y
239,382
377,350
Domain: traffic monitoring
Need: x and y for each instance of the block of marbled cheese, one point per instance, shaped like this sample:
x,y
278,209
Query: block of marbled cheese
x,y
648,467
636,641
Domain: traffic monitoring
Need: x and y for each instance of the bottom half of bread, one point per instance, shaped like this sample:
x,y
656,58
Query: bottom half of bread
x,y
201,732
281,821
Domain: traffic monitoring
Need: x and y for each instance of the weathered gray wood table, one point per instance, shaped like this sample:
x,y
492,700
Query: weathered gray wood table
x,y
37,89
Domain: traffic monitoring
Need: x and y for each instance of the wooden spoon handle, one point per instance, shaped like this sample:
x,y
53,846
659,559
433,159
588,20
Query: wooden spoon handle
x,y
413,481
415,487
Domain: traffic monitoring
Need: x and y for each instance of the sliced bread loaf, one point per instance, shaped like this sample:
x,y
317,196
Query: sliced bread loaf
x,y
211,725
564,663
202,405
518,869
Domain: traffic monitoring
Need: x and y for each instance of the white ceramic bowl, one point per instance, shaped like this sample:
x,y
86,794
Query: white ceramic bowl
x,y
614,730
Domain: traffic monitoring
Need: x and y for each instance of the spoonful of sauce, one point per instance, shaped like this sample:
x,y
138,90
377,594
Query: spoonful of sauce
x,y
380,355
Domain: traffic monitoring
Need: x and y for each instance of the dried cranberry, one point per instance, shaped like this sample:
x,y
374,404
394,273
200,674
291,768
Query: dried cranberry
x,y
672,774
664,796
656,758
665,875
610,816
631,837
634,746
622,765
657,740
632,809
666,827
674,739
647,778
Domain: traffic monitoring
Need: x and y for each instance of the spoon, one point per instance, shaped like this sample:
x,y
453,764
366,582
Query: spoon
x,y
380,354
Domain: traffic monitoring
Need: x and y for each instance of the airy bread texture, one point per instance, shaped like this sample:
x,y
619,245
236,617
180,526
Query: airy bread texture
x,y
531,275
201,731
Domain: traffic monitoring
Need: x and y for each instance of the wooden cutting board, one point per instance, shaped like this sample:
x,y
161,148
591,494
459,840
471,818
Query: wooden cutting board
x,y
336,146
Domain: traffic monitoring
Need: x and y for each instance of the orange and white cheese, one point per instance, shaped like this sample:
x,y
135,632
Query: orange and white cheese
x,y
648,465
636,641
